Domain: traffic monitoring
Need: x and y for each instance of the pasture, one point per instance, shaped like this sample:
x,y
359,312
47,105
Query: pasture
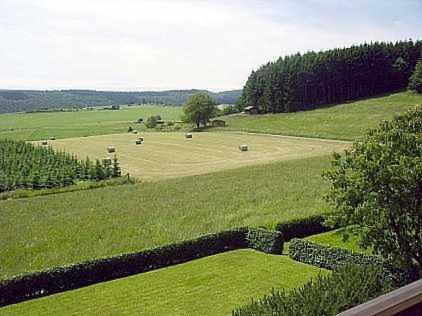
x,y
345,121
38,126
58,229
170,155
209,286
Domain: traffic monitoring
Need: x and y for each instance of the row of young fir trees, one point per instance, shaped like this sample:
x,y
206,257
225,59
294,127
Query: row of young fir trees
x,y
299,82
25,165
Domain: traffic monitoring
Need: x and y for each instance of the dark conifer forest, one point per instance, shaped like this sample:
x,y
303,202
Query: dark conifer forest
x,y
25,165
305,81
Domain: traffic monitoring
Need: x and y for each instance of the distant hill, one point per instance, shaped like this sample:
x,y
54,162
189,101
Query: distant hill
x,y
32,100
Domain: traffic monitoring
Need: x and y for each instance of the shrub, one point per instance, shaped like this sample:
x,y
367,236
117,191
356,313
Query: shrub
x,y
327,295
303,227
265,240
58,279
151,122
332,258
415,81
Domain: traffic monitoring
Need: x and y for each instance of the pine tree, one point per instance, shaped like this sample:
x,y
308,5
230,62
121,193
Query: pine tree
x,y
415,81
116,171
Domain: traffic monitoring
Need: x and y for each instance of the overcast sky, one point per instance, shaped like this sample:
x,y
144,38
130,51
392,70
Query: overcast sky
x,y
158,45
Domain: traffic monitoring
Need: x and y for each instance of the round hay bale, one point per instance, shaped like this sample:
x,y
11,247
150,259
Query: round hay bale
x,y
188,135
44,142
243,147
141,139
138,142
135,132
107,161
111,149
52,138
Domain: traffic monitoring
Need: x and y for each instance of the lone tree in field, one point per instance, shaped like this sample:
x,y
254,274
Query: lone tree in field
x,y
415,81
199,108
377,186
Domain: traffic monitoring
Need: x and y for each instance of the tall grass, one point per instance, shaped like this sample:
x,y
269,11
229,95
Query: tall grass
x,y
63,228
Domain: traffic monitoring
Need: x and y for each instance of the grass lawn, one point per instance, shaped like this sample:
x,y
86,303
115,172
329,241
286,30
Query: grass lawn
x,y
169,155
207,286
52,230
335,239
38,126
345,121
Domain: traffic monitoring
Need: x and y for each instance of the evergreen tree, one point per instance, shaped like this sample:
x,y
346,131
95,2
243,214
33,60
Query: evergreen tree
x,y
116,171
415,81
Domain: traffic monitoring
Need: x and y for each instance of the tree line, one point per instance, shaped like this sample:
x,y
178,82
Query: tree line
x,y
304,81
25,165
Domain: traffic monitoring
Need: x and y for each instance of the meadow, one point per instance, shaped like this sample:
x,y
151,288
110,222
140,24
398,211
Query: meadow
x,y
345,121
43,125
69,227
169,155
180,290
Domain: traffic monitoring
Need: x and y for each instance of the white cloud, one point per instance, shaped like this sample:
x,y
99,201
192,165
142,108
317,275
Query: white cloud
x,y
138,45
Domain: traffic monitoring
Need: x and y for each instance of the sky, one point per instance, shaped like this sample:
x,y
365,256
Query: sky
x,y
135,45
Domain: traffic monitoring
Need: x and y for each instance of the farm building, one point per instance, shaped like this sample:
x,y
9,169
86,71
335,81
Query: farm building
x,y
218,123
251,109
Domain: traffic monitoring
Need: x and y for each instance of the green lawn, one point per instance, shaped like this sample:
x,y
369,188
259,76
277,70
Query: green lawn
x,y
208,286
346,121
37,126
335,239
59,229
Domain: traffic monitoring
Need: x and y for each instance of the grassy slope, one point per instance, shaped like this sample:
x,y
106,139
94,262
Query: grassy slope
x,y
345,121
37,126
208,286
58,229
170,155
335,239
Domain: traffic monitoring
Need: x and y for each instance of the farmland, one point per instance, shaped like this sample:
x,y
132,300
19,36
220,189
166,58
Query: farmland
x,y
180,290
38,126
344,121
169,155
70,227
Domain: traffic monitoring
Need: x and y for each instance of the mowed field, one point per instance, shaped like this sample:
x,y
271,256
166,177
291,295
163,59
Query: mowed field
x,y
38,126
170,155
208,286
344,121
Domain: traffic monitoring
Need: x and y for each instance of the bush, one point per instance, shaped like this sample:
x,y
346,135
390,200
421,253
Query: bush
x,y
265,240
59,279
333,258
327,295
303,227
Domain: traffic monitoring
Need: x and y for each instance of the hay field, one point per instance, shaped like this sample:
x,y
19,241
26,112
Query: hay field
x,y
170,155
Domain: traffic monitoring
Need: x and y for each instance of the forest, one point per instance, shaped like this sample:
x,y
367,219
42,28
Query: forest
x,y
25,165
33,100
314,79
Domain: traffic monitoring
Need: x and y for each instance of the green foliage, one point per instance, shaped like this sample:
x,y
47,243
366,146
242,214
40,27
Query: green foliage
x,y
377,186
151,122
415,81
24,165
299,82
58,279
333,258
265,240
350,286
302,227
130,129
199,109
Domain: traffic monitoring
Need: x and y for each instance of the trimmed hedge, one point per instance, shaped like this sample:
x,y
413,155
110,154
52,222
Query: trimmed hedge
x,y
303,227
265,240
59,279
333,258
327,295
